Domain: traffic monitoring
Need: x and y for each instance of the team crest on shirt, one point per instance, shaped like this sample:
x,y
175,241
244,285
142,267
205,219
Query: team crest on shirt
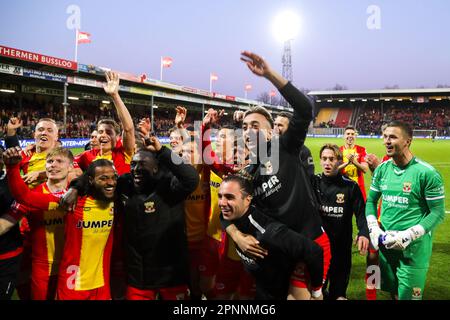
x,y
269,167
417,293
407,187
340,198
149,207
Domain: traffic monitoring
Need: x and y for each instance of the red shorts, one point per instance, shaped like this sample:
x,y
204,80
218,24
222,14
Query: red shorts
x,y
196,250
210,257
102,293
43,285
232,277
300,276
172,293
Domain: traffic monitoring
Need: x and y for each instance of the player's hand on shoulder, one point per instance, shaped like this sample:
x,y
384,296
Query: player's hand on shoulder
x,y
69,200
31,177
249,245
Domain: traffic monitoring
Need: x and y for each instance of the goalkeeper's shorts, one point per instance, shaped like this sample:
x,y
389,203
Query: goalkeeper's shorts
x,y
404,273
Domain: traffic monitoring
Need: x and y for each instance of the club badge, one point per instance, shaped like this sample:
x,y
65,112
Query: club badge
x,y
149,207
340,198
407,187
269,168
417,293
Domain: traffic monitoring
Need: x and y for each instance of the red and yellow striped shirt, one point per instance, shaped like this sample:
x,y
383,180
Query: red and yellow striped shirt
x,y
85,262
47,232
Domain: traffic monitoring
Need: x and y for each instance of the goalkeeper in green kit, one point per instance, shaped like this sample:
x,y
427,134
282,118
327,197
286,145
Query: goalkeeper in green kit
x,y
412,193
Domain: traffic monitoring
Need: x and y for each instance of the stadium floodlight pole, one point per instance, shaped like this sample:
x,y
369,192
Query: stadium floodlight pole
x,y
76,45
285,28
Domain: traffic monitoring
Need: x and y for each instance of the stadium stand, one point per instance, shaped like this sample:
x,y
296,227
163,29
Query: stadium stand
x,y
343,117
425,109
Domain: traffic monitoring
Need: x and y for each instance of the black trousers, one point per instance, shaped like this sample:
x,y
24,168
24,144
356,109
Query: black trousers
x,y
339,272
9,269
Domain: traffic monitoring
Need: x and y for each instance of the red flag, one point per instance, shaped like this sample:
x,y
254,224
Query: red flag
x,y
166,62
83,37
214,77
143,77
248,87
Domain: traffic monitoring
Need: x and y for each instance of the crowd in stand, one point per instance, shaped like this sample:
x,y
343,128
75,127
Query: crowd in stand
x,y
329,124
420,117
81,118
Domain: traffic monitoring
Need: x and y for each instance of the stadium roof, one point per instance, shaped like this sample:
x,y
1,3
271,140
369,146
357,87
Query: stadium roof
x,y
26,66
383,92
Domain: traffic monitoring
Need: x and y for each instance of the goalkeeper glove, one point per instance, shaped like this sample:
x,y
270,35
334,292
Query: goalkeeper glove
x,y
374,231
400,240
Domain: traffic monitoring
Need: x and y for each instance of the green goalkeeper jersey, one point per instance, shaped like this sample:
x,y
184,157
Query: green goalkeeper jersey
x,y
411,195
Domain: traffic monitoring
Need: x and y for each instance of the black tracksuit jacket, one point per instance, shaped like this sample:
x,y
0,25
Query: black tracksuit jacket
x,y
340,198
154,234
287,195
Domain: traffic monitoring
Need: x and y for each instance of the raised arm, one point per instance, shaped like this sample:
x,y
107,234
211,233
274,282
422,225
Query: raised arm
x,y
295,136
180,118
219,166
186,177
11,139
112,88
